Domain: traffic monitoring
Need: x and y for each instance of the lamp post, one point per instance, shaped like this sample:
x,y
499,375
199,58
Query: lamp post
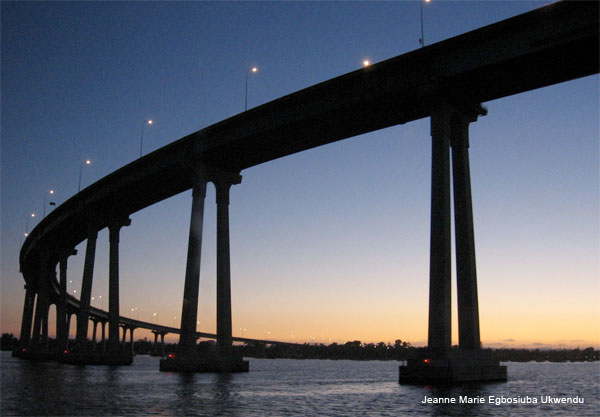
x,y
142,137
86,162
27,224
52,203
253,69
422,40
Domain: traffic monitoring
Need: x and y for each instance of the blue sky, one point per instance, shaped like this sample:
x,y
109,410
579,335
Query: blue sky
x,y
332,243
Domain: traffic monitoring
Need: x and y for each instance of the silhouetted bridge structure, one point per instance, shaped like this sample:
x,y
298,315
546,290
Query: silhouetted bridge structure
x,y
446,81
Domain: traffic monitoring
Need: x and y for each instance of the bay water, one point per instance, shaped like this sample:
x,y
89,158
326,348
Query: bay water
x,y
286,387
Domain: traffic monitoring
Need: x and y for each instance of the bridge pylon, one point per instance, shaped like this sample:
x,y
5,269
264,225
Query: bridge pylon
x,y
224,359
440,363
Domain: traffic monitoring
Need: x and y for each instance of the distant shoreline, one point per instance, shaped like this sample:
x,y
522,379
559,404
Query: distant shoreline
x,y
355,350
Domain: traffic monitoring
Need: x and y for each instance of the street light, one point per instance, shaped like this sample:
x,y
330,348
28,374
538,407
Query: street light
x,y
99,297
86,162
422,40
366,63
253,69
27,224
142,137
52,203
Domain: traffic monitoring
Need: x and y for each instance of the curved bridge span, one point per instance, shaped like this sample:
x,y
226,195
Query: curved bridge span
x,y
446,81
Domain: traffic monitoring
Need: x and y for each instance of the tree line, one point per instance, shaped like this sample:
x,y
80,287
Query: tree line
x,y
354,350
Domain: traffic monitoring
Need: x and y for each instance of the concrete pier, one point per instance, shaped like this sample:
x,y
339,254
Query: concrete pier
x,y
113,285
86,289
466,271
224,360
439,260
40,329
224,342
62,329
458,365
27,320
440,364
189,310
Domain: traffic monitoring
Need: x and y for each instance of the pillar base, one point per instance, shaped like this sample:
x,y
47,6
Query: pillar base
x,y
79,358
195,364
454,367
34,355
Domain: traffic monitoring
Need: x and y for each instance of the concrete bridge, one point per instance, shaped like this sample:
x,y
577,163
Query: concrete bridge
x,y
101,317
446,81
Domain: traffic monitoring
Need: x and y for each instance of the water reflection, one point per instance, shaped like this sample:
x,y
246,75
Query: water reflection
x,y
224,402
185,402
279,388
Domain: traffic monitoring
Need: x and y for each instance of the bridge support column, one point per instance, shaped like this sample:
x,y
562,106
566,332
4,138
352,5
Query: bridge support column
x,y
162,343
224,336
86,290
113,285
224,361
62,329
95,321
44,339
440,363
439,340
27,321
42,305
466,274
103,324
154,350
124,328
189,311
131,343
69,315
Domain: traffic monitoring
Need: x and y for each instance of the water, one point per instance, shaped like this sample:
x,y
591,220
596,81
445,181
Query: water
x,y
281,388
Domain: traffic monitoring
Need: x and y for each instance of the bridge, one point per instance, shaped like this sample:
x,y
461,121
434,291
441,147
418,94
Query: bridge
x,y
98,316
446,81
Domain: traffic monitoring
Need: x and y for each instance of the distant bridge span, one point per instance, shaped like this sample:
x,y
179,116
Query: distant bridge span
x,y
446,81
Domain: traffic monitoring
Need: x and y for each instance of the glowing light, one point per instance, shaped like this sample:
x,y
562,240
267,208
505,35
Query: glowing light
x,y
88,162
366,63
254,69
149,122
171,356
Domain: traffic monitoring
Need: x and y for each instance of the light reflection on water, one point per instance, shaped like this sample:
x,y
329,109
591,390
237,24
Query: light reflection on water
x,y
280,388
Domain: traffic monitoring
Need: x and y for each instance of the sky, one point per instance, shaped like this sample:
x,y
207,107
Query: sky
x,y
328,245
